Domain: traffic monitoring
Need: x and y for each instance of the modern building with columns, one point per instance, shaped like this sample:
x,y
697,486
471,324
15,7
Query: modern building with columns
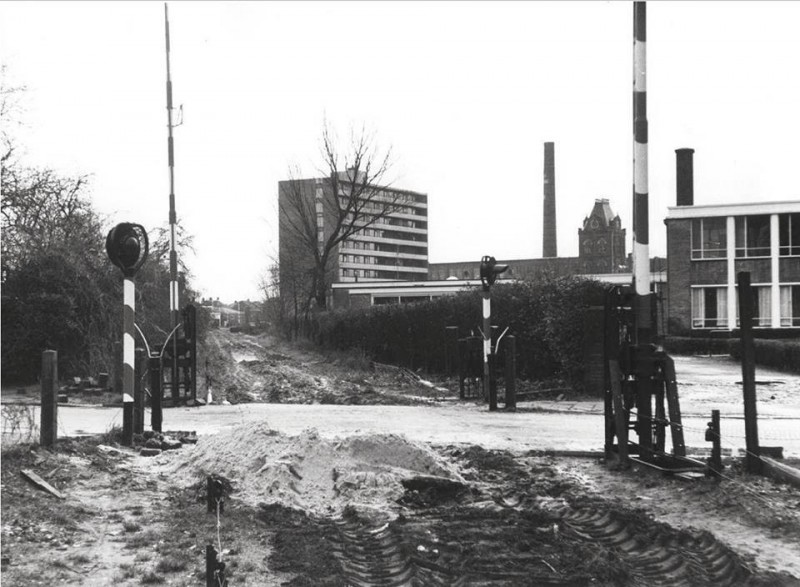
x,y
708,245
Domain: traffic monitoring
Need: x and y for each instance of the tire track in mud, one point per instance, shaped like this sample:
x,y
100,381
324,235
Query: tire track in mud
x,y
662,556
376,556
380,555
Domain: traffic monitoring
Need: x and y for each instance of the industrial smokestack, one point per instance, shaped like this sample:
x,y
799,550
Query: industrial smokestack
x,y
549,239
684,177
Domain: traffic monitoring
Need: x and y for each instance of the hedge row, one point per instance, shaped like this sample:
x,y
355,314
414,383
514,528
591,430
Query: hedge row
x,y
547,318
783,354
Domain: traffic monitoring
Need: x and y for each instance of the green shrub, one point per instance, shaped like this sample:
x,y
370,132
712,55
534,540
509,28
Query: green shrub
x,y
547,318
782,354
778,354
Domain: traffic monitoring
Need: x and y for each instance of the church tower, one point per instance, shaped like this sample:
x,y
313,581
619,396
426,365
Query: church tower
x,y
602,240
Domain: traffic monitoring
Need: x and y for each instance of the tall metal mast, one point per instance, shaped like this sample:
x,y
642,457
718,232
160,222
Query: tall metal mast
x,y
173,255
641,238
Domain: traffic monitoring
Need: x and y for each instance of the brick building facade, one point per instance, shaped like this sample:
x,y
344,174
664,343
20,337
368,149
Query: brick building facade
x,y
707,246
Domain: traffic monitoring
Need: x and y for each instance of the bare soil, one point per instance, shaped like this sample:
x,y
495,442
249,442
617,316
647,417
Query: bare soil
x,y
376,509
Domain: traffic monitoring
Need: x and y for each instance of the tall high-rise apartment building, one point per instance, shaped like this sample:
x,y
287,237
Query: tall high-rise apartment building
x,y
392,248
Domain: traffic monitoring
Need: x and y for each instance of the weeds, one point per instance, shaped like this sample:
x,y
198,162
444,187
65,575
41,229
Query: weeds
x,y
131,526
152,578
171,564
80,559
127,571
19,424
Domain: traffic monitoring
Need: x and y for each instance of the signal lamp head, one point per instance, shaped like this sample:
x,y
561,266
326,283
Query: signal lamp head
x,y
490,269
127,247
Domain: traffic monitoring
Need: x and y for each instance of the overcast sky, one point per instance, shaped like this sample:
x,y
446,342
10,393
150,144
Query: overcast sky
x,y
465,93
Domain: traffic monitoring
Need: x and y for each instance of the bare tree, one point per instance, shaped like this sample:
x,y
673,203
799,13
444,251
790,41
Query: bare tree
x,y
316,215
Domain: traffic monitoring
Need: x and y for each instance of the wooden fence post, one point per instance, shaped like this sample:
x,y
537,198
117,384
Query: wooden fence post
x,y
753,459
48,430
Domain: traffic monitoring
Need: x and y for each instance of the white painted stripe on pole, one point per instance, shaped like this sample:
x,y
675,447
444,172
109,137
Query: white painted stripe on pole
x,y
129,349
173,295
640,169
641,268
128,294
487,307
127,398
487,349
639,67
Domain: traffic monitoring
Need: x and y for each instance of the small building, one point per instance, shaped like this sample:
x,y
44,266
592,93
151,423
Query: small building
x,y
365,294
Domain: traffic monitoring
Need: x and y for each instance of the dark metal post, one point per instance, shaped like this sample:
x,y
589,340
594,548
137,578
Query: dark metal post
x,y
138,392
463,361
118,368
48,429
154,366
215,571
214,494
752,459
713,435
492,382
487,342
511,373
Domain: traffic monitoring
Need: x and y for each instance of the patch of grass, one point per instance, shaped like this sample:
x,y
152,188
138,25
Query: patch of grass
x,y
126,571
142,539
80,558
152,578
131,526
171,564
112,436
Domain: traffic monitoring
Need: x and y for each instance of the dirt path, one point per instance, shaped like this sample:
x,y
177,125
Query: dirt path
x,y
373,508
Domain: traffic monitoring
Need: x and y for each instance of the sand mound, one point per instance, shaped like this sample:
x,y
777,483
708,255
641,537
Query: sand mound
x,y
310,472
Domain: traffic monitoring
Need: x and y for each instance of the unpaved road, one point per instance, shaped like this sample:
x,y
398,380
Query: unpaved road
x,y
522,513
440,424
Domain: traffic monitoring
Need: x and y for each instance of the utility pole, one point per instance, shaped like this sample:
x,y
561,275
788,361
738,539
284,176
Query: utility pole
x,y
173,255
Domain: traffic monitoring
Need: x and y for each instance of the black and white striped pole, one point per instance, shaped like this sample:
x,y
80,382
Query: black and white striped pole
x,y
644,350
641,237
127,247
174,294
490,269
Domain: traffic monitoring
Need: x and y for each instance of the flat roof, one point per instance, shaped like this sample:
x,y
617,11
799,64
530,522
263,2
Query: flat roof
x,y
454,285
746,209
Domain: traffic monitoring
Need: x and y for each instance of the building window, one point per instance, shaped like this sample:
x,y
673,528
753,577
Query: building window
x,y
752,236
789,234
710,307
762,306
790,305
709,238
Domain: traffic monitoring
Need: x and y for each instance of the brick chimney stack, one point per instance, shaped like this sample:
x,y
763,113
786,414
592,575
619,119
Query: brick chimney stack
x,y
684,177
549,239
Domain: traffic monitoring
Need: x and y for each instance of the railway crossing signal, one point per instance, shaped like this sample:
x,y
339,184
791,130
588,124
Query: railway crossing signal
x,y
127,247
490,269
